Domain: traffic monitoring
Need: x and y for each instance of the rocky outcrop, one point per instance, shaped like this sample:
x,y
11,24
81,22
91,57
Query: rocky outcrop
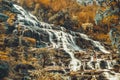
x,y
4,69
45,48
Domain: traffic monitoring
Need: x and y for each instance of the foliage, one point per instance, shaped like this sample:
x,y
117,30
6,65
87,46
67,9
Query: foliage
x,y
31,41
11,19
45,55
102,37
115,38
111,20
70,11
111,11
42,75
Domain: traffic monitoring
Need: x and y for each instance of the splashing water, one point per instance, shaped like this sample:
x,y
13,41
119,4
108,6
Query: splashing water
x,y
58,39
95,43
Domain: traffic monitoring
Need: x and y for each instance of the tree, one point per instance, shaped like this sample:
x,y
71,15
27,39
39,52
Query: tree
x,y
112,10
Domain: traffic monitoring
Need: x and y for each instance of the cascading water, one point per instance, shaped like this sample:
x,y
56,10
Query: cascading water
x,y
55,38
95,43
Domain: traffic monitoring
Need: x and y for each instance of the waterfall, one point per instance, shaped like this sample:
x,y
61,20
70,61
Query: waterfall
x,y
56,38
95,43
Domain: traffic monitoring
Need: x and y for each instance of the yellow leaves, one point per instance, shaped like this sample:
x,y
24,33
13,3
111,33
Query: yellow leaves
x,y
103,37
56,7
83,13
33,59
52,51
2,28
88,26
4,55
11,19
29,3
74,18
10,22
37,6
113,3
31,40
2,36
25,62
111,19
45,2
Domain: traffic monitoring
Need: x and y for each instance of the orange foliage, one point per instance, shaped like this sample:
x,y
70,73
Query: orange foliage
x,y
83,13
45,2
11,19
86,14
3,56
58,5
2,28
111,19
29,3
31,40
102,37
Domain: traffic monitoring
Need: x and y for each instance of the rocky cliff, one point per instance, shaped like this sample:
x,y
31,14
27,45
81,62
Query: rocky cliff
x,y
35,50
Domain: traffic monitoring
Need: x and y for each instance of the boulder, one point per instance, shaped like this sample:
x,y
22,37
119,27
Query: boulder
x,y
4,69
8,6
3,17
23,68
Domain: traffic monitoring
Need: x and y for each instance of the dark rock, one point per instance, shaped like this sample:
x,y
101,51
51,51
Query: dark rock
x,y
11,42
23,67
7,2
8,6
116,68
57,71
4,69
103,64
3,17
9,29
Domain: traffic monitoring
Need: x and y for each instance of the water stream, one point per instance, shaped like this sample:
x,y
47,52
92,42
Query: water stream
x,y
56,38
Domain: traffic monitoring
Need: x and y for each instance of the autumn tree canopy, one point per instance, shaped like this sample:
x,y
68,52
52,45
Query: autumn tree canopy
x,y
110,14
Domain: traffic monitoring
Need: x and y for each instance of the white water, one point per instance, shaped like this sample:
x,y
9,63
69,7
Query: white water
x,y
113,76
56,38
95,43
90,62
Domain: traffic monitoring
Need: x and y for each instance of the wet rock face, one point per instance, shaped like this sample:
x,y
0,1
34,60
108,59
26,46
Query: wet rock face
x,y
84,44
67,42
8,6
7,16
4,69
115,38
11,42
116,68
23,68
3,17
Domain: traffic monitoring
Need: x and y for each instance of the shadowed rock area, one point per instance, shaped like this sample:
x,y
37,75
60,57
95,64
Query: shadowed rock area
x,y
31,49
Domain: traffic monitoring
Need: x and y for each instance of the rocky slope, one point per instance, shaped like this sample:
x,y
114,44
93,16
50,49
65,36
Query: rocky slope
x,y
34,50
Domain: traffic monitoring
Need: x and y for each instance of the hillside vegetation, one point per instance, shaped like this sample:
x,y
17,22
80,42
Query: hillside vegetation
x,y
72,15
22,59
